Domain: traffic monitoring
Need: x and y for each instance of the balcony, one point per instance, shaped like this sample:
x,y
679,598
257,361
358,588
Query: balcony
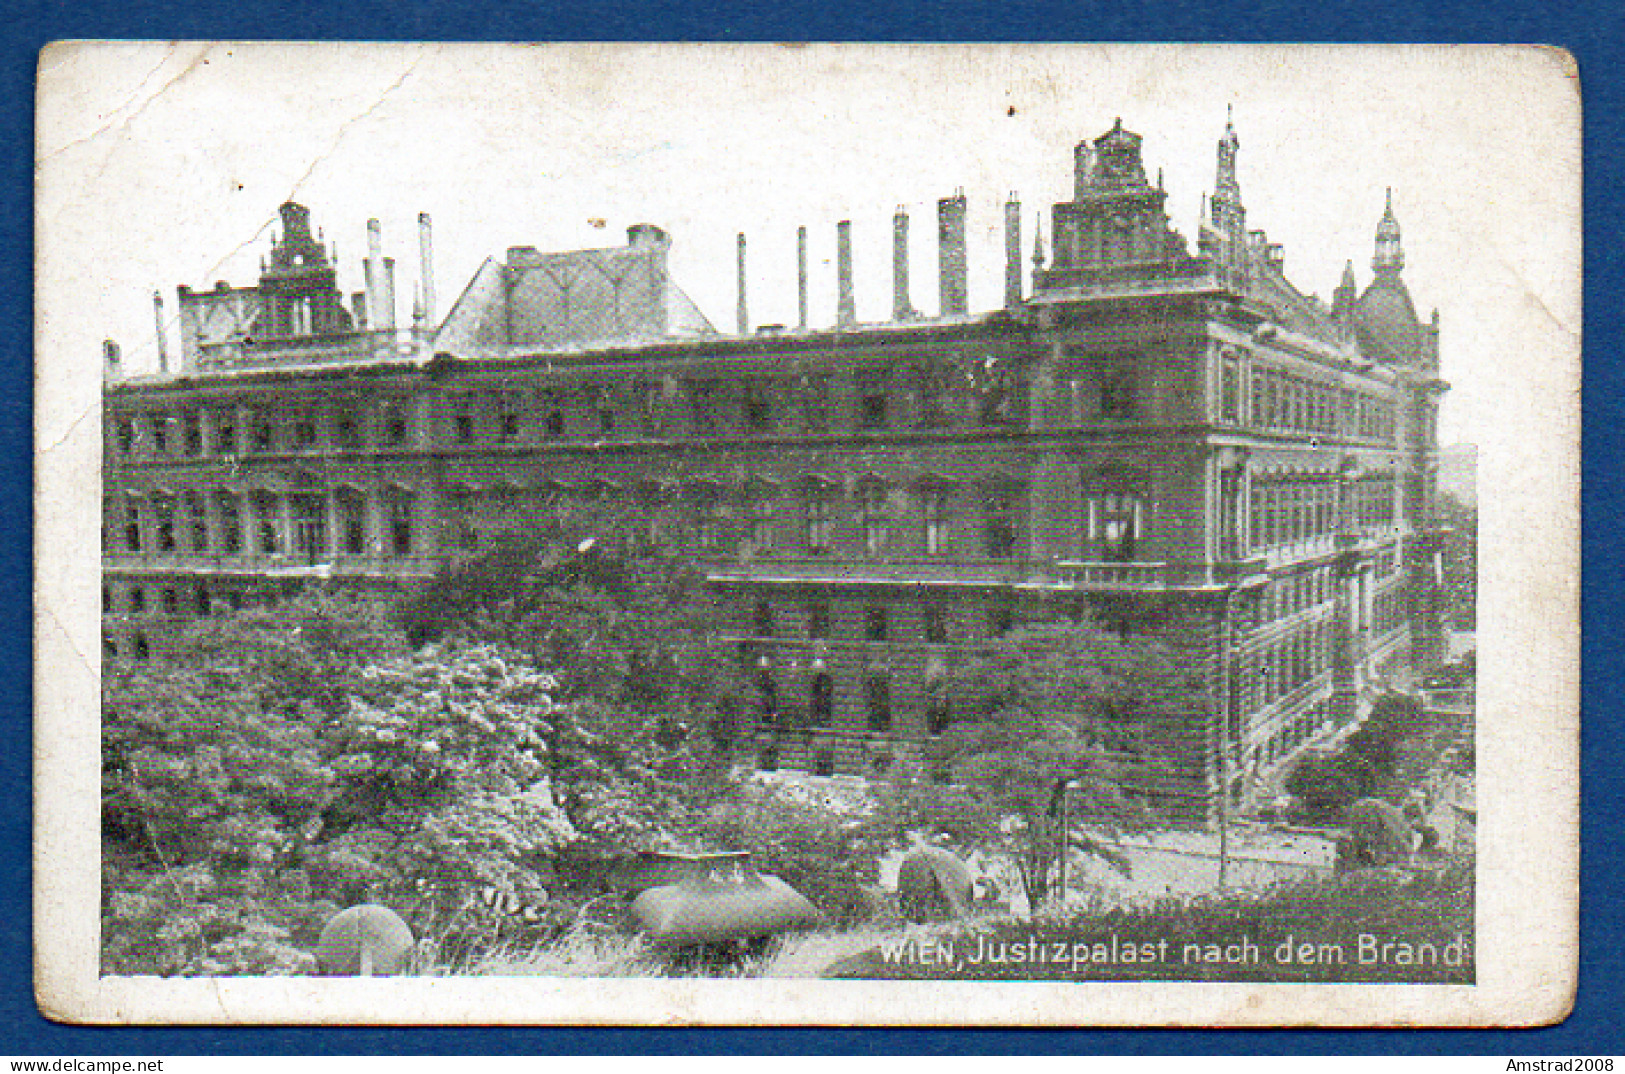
x,y
271,566
1054,575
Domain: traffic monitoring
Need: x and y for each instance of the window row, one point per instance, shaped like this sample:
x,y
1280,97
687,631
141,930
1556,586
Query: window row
x,y
1288,402
813,517
247,430
312,525
877,622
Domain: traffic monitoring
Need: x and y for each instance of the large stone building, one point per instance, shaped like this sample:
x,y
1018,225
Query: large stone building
x,y
1178,439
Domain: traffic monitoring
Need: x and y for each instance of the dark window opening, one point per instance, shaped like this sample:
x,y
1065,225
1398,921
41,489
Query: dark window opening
x,y
142,651
304,433
758,412
138,600
200,601
879,691
394,426
126,436
169,600
936,627
872,410
1001,619
400,526
262,436
160,435
767,699
824,763
874,624
818,621
1117,393
192,433
107,600
769,759
822,708
465,428
348,433
763,619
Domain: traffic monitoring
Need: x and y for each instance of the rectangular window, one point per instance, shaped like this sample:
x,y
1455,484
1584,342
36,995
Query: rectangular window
x,y
394,425
231,523
463,426
815,393
820,524
874,624
225,432
762,621
705,401
138,600
936,521
999,524
304,433
170,600
508,426
1117,392
758,408
400,525
192,433
553,414
879,694
935,624
163,511
818,620
346,432
160,434
261,437
125,430
1230,392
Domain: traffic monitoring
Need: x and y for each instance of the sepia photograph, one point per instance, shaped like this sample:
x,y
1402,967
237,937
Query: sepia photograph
x,y
833,534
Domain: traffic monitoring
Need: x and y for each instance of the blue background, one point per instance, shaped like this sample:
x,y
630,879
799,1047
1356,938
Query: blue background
x,y
1594,30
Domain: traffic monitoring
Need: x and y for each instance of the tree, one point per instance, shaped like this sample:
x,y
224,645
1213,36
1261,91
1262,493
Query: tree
x,y
1066,709
1460,561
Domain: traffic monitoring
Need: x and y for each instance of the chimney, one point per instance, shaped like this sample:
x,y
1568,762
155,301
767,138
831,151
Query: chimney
x,y
112,359
386,312
801,278
158,323
743,312
901,308
426,261
371,270
846,313
1012,252
951,253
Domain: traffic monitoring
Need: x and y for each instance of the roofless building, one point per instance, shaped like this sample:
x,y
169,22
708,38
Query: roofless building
x,y
1174,438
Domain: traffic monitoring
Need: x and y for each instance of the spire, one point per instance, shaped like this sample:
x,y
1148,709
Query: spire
x,y
1390,256
1343,297
1228,214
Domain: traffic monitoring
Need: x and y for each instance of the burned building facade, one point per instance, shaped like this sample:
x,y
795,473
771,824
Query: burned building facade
x,y
1174,439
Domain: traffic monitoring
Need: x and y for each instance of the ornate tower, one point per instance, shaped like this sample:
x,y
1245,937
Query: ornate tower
x,y
299,287
1389,258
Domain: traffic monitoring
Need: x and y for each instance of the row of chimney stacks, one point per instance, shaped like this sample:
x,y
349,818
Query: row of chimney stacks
x,y
951,266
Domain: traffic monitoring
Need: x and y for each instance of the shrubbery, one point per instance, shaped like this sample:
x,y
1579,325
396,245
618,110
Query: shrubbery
x,y
298,759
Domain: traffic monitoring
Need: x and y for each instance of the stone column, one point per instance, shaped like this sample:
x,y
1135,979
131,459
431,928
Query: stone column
x,y
331,505
372,522
211,521
284,510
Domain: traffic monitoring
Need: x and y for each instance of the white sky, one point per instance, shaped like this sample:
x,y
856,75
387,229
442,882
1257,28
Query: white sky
x,y
162,165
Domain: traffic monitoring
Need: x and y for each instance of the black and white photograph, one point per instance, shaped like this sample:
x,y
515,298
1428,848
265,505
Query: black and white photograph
x,y
807,534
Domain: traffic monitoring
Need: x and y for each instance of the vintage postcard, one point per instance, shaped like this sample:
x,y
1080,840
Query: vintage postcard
x,y
894,535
